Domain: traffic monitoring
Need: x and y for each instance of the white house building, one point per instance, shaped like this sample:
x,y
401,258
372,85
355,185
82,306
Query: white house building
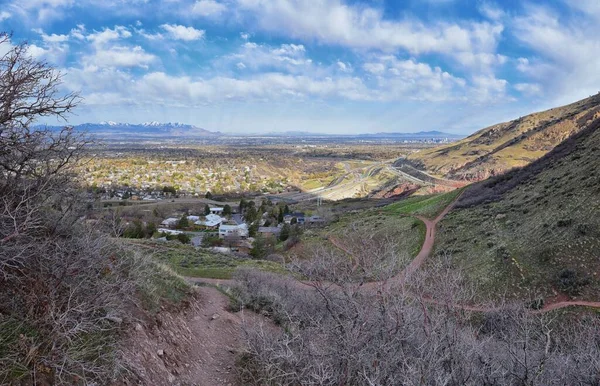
x,y
211,221
218,211
170,222
233,230
169,231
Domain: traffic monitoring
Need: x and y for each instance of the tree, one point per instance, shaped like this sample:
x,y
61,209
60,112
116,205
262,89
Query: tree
x,y
183,222
211,241
243,204
251,214
285,232
206,210
60,279
208,196
169,189
286,209
33,163
135,230
253,229
183,238
261,248
280,217
150,229
227,210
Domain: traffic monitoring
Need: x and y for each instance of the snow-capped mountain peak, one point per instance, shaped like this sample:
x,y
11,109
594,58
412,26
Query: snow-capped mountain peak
x,y
153,123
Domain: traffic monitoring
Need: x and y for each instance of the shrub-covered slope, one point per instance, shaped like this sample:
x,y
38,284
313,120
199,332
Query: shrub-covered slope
x,y
534,230
499,148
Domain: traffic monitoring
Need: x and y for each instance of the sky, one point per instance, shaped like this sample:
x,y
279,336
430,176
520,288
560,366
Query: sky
x,y
326,66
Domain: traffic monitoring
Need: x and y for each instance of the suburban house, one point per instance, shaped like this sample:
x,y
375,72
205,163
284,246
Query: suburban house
x,y
169,231
212,221
218,211
315,220
233,230
269,231
170,222
193,218
300,218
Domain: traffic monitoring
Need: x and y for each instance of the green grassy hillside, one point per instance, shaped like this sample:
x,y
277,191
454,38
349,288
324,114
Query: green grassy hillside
x,y
499,148
536,230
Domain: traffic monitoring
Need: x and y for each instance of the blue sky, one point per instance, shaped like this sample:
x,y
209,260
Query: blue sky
x,y
336,66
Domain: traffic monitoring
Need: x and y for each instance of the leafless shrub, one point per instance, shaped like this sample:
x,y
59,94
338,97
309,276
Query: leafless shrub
x,y
336,334
65,287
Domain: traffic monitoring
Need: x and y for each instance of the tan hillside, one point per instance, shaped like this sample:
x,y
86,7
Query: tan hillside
x,y
504,146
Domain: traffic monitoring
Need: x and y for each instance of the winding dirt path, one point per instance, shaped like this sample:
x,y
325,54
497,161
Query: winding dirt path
x,y
415,264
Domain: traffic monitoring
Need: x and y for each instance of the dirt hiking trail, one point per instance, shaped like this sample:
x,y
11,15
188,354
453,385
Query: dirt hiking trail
x,y
415,264
196,347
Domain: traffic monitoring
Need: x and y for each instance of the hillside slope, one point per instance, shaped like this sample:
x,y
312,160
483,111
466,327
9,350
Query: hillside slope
x,y
499,148
533,231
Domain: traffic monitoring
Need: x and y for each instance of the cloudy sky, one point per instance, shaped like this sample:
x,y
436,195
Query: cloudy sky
x,y
337,66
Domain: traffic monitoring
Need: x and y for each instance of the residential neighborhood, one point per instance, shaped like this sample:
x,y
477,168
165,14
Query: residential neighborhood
x,y
229,229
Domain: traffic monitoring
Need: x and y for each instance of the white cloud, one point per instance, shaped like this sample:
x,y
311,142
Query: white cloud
x,y
159,88
78,32
529,89
108,35
4,15
408,79
335,22
344,67
290,58
565,53
41,11
245,35
488,89
481,62
54,38
53,53
180,32
491,11
208,8
119,56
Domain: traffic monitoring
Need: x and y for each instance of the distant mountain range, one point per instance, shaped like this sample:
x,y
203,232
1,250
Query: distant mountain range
x,y
147,129
176,129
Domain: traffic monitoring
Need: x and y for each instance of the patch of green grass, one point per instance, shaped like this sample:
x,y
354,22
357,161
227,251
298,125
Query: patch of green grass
x,y
189,261
429,206
422,230
368,231
13,334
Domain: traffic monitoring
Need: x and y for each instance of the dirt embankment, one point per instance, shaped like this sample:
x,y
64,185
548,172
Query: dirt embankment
x,y
196,346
